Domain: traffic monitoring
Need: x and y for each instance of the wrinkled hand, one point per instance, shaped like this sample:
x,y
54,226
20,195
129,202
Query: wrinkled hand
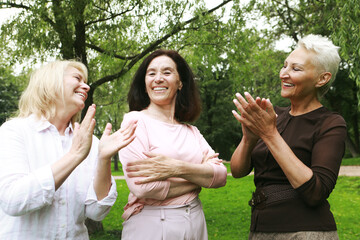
x,y
110,144
246,132
154,168
257,117
211,158
83,133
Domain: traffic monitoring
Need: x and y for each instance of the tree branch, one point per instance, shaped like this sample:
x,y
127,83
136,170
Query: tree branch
x,y
44,16
177,28
13,5
291,9
100,50
111,17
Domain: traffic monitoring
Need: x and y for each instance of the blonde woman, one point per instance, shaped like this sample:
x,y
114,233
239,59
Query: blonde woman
x,y
54,173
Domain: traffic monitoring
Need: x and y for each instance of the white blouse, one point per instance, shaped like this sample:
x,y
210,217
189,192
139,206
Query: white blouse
x,y
30,208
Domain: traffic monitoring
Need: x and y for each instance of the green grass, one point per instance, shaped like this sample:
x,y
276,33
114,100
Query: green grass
x,y
118,172
345,205
228,215
351,162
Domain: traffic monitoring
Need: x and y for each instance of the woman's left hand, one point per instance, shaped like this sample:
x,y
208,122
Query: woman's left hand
x,y
257,115
154,168
211,158
110,144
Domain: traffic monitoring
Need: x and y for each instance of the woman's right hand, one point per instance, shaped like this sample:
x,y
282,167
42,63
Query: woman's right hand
x,y
241,159
212,158
247,133
83,134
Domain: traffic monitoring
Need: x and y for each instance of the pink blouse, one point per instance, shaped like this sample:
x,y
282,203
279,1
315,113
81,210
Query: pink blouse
x,y
178,141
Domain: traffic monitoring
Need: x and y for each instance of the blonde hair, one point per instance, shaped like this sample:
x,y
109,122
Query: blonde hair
x,y
326,58
46,85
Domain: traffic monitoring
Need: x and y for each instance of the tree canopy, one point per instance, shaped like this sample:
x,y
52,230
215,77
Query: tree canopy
x,y
228,52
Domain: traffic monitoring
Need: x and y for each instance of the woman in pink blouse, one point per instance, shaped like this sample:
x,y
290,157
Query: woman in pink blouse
x,y
169,160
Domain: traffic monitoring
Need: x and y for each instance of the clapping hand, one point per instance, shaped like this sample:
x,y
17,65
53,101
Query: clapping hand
x,y
110,144
257,116
83,133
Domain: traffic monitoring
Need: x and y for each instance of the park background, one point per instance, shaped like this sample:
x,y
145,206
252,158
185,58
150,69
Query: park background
x,y
232,46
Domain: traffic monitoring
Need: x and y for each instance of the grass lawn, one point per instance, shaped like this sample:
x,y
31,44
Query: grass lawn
x,y
351,162
228,215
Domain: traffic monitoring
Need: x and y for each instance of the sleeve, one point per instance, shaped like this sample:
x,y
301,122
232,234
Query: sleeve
x,y
97,210
22,190
327,154
220,171
134,151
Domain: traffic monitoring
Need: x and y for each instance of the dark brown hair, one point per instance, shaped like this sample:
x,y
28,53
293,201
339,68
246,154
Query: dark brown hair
x,y
187,104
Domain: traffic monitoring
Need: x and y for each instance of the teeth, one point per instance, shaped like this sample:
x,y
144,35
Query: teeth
x,y
159,88
81,94
288,84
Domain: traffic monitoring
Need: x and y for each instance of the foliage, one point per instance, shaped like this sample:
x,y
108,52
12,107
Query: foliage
x,y
343,99
8,100
228,215
10,91
109,37
345,31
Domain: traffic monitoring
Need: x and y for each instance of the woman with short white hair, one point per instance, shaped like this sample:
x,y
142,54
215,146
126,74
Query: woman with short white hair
x,y
54,173
295,151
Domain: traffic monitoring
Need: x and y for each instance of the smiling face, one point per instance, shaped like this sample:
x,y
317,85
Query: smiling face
x,y
75,90
299,76
162,81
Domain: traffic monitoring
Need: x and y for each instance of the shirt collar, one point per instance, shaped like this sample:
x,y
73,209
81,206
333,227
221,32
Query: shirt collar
x,y
42,124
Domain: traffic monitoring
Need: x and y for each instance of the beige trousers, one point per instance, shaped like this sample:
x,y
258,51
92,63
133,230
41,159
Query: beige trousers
x,y
186,222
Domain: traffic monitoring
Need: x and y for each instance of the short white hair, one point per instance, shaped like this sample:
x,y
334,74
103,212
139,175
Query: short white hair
x,y
326,58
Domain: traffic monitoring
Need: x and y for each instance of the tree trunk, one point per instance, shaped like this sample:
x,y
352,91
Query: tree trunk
x,y
61,27
355,120
116,162
93,226
88,102
80,32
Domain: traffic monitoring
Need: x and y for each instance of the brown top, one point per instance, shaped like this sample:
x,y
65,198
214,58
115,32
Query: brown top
x,y
318,139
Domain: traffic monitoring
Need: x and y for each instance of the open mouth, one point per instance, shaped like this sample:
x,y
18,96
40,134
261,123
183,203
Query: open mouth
x,y
81,94
159,88
288,84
